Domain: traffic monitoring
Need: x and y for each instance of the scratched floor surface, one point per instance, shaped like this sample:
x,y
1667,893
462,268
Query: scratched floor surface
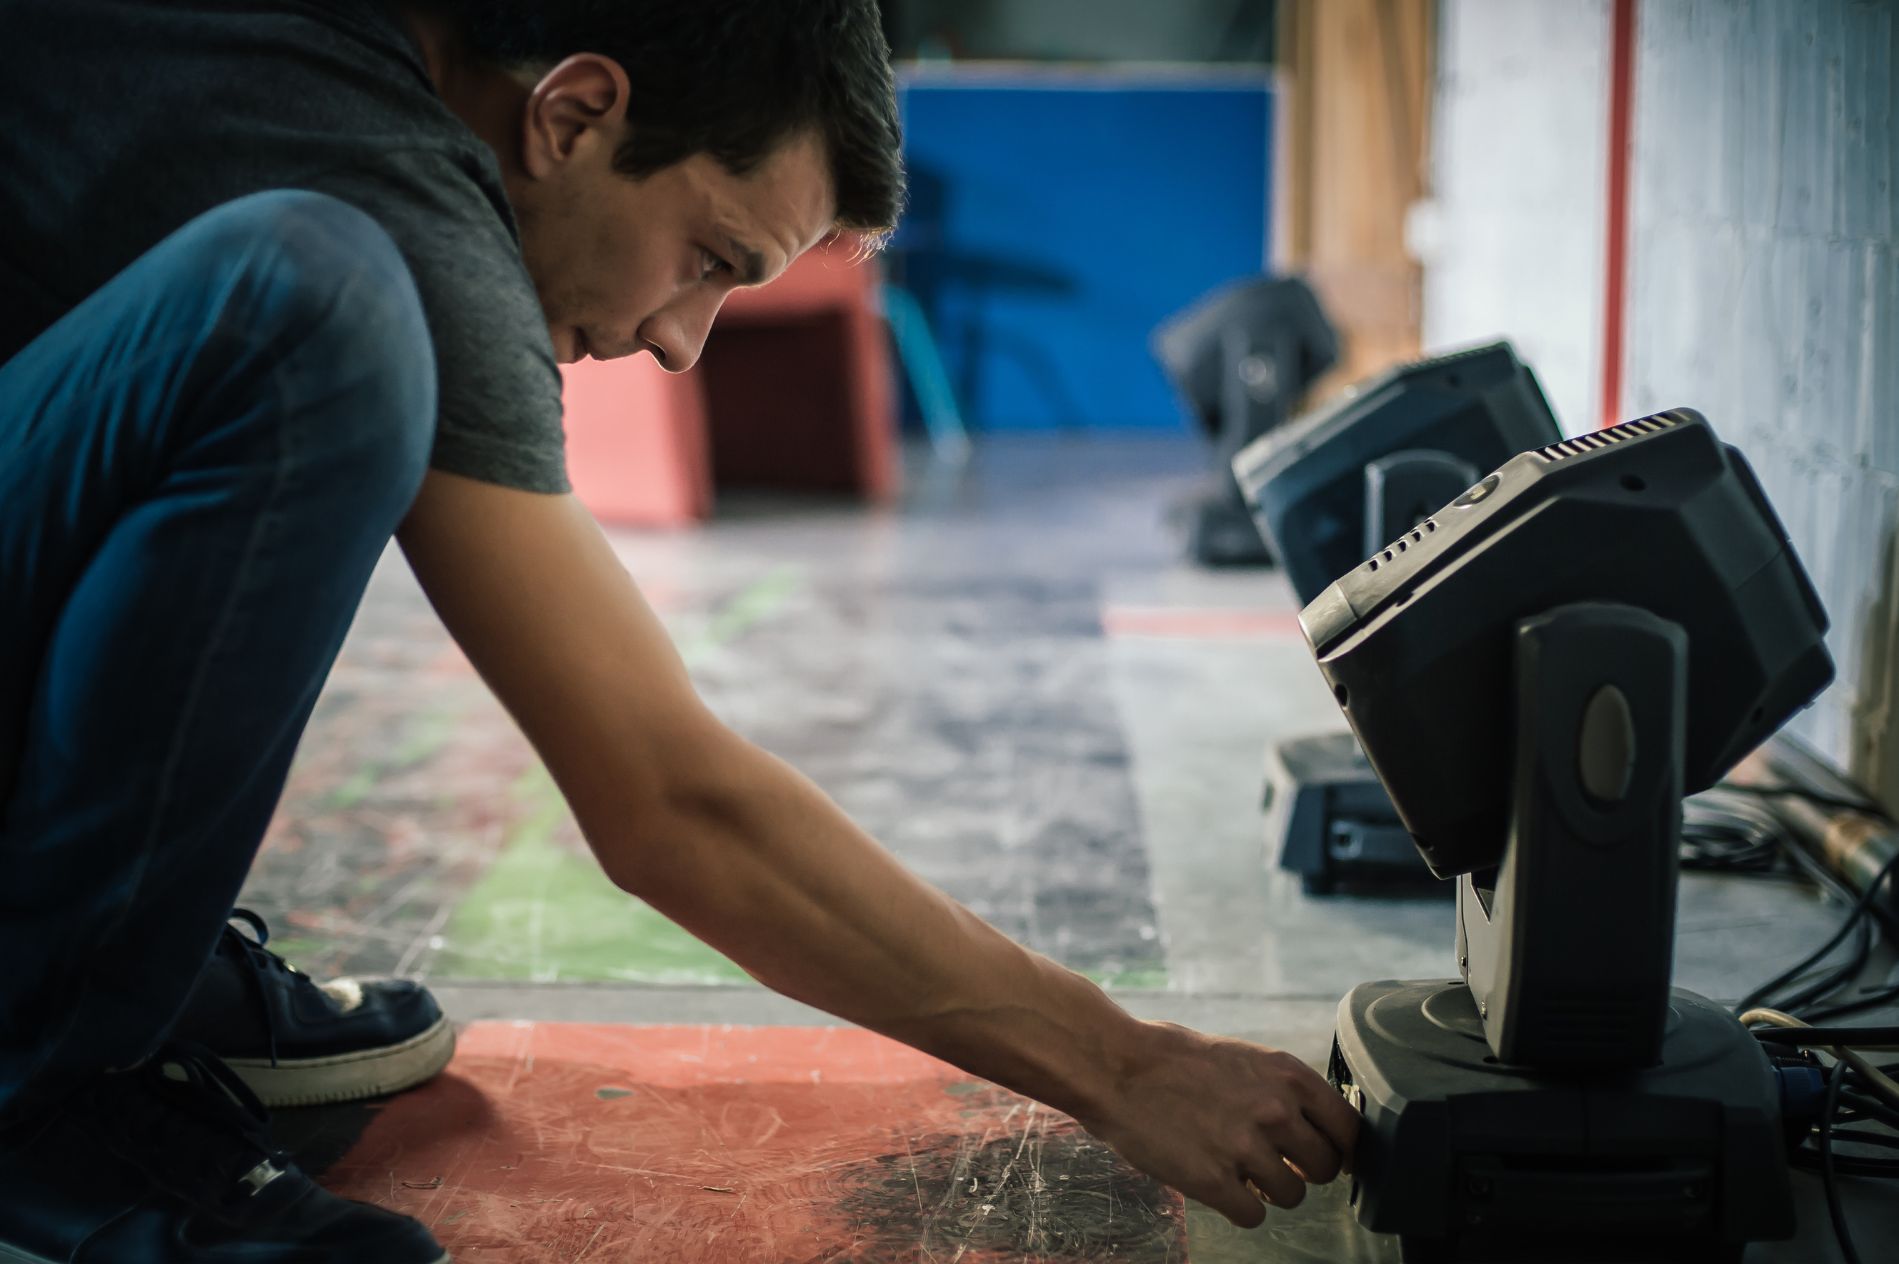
x,y
1013,682
701,1145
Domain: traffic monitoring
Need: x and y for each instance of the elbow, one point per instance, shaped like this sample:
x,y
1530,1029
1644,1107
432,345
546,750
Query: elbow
x,y
625,855
646,850
660,839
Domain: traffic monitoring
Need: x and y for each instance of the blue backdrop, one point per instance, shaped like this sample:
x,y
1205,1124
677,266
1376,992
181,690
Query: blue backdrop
x,y
1057,216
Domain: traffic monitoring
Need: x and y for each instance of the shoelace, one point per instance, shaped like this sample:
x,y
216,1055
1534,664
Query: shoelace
x,y
194,1111
262,963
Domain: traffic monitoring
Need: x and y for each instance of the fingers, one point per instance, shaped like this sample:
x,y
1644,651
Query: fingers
x,y
1265,1178
1301,1118
1312,1154
1306,1136
1331,1114
1267,1172
1238,1127
1235,1200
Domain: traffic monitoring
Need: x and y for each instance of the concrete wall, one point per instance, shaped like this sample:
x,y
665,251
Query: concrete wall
x,y
1763,272
1764,290
1511,240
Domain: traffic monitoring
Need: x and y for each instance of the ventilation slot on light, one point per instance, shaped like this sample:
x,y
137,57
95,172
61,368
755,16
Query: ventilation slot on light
x,y
1414,536
1470,353
1582,445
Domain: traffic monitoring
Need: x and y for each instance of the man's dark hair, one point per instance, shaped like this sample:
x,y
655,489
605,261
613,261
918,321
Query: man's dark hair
x,y
730,78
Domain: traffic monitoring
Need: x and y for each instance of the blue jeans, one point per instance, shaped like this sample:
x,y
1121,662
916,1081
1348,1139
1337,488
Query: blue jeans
x,y
199,466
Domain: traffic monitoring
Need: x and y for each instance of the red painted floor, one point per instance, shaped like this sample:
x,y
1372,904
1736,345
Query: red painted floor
x,y
711,1145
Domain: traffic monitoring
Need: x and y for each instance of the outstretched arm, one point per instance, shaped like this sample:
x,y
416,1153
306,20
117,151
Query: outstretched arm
x,y
747,854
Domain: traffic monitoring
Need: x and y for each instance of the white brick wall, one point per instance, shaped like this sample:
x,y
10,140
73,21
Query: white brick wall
x,y
1763,276
1764,290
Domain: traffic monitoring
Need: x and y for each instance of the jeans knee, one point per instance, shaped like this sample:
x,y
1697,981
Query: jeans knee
x,y
321,297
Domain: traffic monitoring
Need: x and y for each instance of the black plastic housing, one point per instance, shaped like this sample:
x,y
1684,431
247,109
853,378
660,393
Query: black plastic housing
x,y
1510,1163
1306,480
1656,513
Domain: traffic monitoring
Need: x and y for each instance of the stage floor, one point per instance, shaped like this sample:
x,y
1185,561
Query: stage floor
x,y
1015,683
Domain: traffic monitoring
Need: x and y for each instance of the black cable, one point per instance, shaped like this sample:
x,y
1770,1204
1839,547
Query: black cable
x,y
1827,982
1842,1130
1830,882
1723,833
1828,1177
1742,837
1849,1165
1730,829
1723,836
1872,1000
1869,1107
1755,825
1850,968
1860,1136
1847,926
1832,886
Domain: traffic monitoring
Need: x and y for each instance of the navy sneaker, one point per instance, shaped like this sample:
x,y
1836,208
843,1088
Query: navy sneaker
x,y
297,1042
171,1164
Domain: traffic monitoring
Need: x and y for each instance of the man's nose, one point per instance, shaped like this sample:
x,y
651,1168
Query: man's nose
x,y
677,334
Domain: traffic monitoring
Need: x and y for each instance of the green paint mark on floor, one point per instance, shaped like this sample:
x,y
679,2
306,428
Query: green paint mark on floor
x,y
546,911
752,606
1148,977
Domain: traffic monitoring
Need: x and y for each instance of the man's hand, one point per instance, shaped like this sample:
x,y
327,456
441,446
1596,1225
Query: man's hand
x,y
1210,1116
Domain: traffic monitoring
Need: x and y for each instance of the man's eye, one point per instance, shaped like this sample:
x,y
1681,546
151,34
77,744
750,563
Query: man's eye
x,y
710,265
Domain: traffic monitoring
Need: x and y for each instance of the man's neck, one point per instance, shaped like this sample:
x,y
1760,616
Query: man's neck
x,y
484,97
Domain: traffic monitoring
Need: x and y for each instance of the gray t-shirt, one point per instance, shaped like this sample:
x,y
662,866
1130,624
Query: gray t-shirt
x,y
120,120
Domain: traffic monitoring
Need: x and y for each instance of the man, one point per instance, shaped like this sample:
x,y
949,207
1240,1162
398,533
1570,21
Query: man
x,y
277,280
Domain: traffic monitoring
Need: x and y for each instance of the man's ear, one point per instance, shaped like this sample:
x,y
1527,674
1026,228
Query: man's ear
x,y
578,103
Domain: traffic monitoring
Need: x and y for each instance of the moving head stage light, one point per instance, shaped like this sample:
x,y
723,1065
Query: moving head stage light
x,y
1327,490
1333,486
1242,357
1539,672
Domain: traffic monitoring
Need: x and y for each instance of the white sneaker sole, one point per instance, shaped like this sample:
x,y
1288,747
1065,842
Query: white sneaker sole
x,y
348,1077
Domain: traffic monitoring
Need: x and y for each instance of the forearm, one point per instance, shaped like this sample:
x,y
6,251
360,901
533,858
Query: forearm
x,y
757,861
761,864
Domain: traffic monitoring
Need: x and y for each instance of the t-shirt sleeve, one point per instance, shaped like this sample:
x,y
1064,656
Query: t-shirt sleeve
x,y
500,389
